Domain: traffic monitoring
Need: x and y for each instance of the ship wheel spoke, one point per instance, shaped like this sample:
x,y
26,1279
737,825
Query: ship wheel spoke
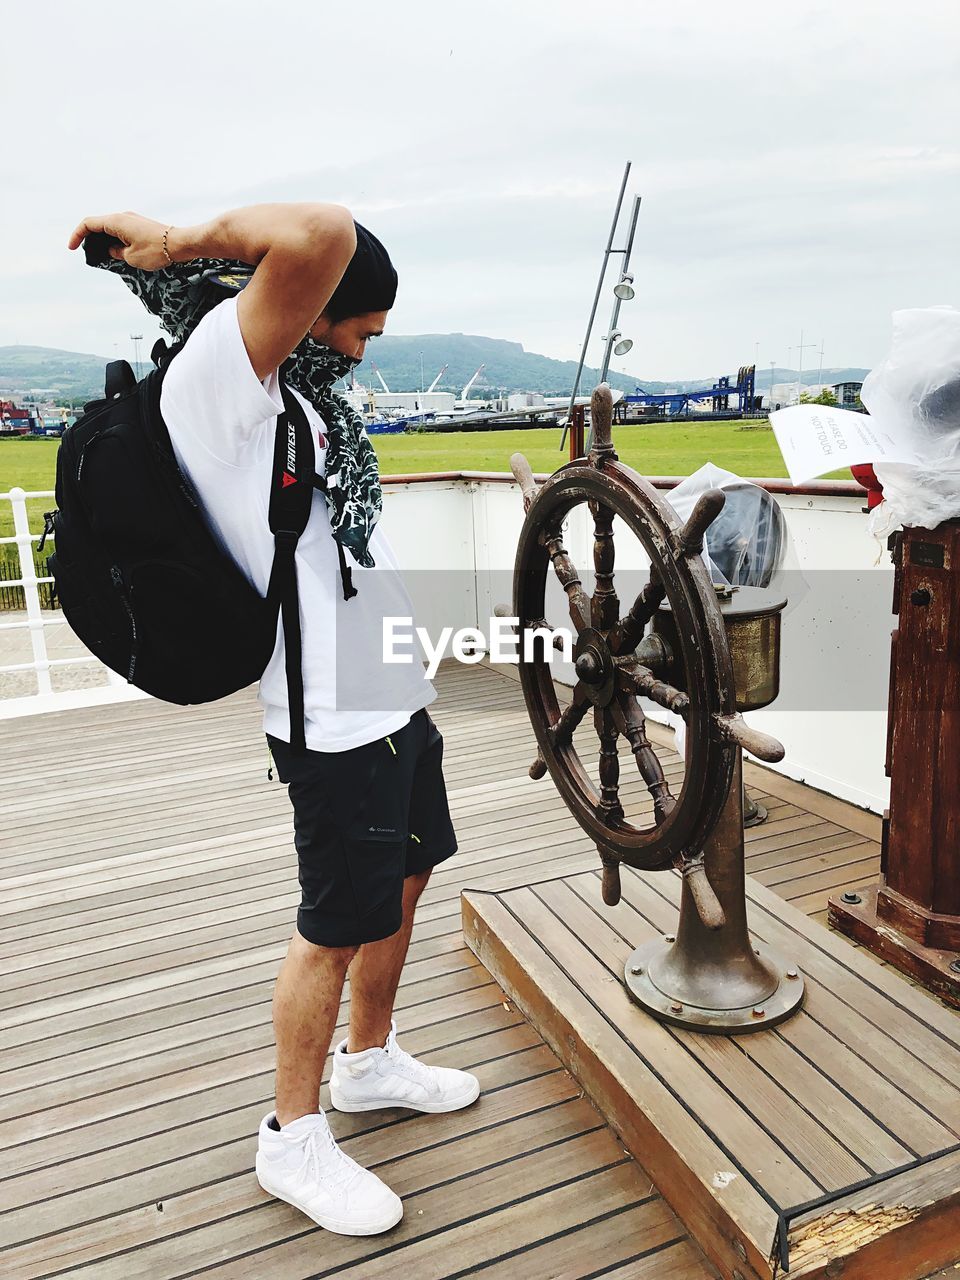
x,y
609,809
644,684
604,605
561,732
541,624
566,571
628,632
630,722
563,728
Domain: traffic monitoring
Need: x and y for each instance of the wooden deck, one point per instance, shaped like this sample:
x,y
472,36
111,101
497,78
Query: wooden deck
x,y
836,1135
149,888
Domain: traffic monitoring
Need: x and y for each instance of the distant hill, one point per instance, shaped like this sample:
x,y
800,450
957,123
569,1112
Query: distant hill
x,y
73,375
69,374
509,365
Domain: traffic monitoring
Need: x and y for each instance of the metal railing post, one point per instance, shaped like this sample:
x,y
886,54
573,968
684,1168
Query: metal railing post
x,y
31,594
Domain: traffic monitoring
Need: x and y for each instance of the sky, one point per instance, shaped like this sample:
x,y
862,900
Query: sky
x,y
799,166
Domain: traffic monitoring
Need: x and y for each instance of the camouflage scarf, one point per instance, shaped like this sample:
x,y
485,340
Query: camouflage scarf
x,y
353,493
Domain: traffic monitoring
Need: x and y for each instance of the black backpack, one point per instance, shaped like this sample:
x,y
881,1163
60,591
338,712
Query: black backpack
x,y
139,575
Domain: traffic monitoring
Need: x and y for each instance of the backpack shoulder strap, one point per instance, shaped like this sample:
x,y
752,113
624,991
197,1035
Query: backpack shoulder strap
x,y
119,379
291,498
294,466
161,353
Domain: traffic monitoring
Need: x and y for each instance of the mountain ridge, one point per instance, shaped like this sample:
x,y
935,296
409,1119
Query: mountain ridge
x,y
79,375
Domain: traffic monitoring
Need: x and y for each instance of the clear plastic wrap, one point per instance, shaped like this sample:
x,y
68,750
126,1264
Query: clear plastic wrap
x,y
744,546
915,394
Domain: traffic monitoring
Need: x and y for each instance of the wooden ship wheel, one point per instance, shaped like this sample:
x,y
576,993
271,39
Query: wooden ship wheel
x,y
709,975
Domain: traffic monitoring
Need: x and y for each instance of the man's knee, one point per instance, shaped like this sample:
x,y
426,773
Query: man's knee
x,y
318,956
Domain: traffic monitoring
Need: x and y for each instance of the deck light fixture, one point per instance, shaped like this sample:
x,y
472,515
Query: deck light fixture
x,y
618,343
624,290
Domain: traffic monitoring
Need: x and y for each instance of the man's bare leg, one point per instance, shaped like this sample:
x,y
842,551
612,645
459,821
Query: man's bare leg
x,y
306,1001
375,976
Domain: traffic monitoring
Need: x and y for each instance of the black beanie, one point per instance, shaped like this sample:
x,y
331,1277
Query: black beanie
x,y
369,282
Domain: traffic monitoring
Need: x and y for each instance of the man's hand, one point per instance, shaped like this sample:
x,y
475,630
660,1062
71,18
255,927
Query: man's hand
x,y
300,252
141,238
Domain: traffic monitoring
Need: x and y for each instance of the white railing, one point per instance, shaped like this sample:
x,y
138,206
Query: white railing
x,y
841,630
35,622
467,525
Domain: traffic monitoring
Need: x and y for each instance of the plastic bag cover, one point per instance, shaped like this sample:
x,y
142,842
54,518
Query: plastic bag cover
x,y
915,392
744,546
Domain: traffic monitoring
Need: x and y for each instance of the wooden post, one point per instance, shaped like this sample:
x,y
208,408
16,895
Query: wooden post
x,y
577,435
912,916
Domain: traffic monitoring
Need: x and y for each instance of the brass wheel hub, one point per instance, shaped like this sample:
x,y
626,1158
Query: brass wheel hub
x,y
595,667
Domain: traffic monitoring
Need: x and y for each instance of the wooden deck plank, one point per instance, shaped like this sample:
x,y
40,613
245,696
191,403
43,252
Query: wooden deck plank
x,y
220,1098
143,940
498,1216
218,1016
902,1089
137,1036
722,1088
814,1097
21,1048
476,1027
571,1021
143,909
251,1051
96,915
183,1211
216,1040
889,1053
81,1004
873,1012
197,807
641,1235
526,1082
837,1110
196,867
672,1263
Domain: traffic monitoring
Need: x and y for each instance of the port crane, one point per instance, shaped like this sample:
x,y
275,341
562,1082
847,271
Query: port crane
x,y
437,379
466,389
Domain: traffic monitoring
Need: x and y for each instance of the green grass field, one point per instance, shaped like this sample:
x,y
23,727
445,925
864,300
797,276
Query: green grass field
x,y
661,449
31,464
656,449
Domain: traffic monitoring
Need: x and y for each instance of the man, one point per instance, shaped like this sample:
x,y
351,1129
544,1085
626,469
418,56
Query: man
x,y
370,807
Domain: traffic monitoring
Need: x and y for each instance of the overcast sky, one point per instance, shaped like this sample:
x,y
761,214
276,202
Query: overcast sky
x,y
799,165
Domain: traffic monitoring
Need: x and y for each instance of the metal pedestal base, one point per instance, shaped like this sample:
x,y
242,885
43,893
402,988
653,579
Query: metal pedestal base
x,y
753,811
662,982
709,979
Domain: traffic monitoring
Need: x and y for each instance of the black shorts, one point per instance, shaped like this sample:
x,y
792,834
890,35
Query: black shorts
x,y
364,819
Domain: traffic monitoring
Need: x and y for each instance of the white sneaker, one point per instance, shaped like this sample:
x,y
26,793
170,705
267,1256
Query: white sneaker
x,y
390,1077
302,1164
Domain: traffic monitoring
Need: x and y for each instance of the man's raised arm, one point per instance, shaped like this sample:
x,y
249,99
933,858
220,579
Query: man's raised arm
x,y
300,252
